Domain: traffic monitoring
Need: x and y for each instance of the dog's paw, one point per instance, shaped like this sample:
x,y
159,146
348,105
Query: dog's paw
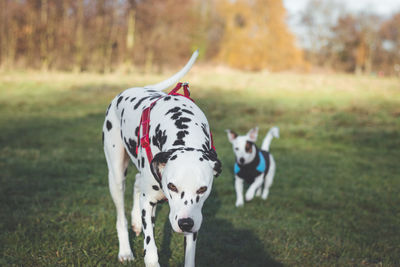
x,y
137,229
239,204
125,256
249,196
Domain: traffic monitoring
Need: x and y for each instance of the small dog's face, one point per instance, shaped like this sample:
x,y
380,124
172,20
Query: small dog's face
x,y
243,145
186,179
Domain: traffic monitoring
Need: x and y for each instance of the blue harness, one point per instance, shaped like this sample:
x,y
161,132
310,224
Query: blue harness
x,y
260,167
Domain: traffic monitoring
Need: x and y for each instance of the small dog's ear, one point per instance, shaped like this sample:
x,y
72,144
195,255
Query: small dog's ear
x,y
252,134
231,135
158,163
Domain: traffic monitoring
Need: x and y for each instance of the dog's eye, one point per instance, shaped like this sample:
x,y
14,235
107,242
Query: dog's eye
x,y
172,187
201,190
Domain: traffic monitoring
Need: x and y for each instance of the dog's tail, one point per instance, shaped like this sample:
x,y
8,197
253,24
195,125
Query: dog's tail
x,y
176,77
273,132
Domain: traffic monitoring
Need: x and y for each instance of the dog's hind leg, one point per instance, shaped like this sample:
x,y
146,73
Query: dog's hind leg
x,y
258,191
136,217
117,161
269,178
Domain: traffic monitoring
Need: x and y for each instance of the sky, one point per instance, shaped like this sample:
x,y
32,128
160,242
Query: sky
x,y
381,7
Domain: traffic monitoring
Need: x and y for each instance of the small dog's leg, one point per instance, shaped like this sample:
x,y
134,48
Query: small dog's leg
x,y
239,191
258,192
269,179
253,187
190,249
150,248
135,215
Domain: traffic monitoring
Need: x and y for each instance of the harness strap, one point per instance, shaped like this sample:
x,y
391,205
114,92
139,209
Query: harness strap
x,y
144,125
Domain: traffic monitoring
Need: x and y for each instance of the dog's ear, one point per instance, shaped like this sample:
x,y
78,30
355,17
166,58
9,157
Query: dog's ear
x,y
158,163
212,157
252,134
231,135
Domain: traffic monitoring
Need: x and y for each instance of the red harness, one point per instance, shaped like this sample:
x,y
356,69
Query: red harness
x,y
145,121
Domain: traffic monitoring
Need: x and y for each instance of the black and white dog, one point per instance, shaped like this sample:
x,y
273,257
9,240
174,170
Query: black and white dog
x,y
253,165
182,170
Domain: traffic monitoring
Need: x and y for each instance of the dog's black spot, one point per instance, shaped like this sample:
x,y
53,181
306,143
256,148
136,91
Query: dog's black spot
x,y
155,187
173,110
201,159
189,149
119,100
109,125
170,195
187,111
144,253
167,98
131,145
143,194
184,105
155,96
102,137
136,131
108,109
197,124
176,217
122,113
159,138
152,204
148,240
197,199
179,143
176,99
194,236
185,202
133,99
176,115
191,201
142,162
180,123
182,134
140,102
182,194
153,219
173,157
126,98
113,145
143,220
204,128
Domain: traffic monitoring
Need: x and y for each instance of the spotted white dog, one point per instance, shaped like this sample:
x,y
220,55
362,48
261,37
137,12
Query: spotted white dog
x,y
253,165
182,170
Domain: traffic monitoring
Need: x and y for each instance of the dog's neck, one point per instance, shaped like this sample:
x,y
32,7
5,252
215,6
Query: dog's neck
x,y
254,156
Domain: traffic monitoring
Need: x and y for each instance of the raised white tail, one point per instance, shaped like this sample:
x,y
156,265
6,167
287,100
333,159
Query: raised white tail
x,y
273,132
176,77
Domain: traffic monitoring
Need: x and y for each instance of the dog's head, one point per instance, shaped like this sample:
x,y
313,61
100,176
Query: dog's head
x,y
243,145
186,177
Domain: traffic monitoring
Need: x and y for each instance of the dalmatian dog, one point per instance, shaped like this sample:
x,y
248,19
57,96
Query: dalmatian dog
x,y
181,171
253,165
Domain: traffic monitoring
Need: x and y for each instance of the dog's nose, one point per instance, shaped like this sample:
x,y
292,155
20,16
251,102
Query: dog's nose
x,y
186,224
241,160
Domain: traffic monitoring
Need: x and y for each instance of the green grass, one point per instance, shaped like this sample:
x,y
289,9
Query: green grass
x,y
335,200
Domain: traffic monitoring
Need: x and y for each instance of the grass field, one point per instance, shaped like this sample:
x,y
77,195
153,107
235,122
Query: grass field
x,y
335,200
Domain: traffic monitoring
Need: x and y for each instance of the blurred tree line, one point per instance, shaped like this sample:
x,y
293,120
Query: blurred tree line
x,y
103,35
360,43
106,35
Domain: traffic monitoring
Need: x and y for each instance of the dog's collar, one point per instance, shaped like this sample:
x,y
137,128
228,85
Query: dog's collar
x,y
260,167
144,141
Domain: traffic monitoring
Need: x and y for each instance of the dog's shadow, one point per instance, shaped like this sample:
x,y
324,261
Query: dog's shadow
x,y
220,243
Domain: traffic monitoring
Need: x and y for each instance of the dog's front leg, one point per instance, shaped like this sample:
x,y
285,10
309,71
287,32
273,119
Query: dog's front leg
x,y
190,249
150,248
239,191
253,187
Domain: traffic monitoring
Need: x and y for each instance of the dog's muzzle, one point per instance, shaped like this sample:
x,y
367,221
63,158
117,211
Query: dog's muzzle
x,y
186,224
